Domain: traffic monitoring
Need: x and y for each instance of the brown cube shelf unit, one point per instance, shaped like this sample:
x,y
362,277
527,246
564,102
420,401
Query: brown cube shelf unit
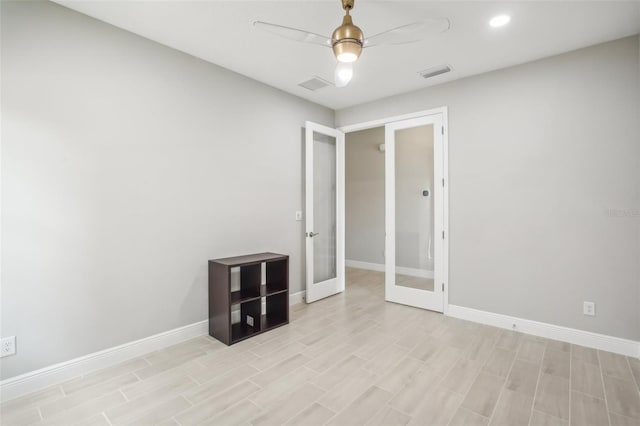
x,y
249,297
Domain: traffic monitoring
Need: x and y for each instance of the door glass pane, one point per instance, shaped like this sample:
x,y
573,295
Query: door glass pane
x,y
414,207
324,207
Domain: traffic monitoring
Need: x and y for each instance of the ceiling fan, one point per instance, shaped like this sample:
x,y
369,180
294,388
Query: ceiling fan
x,y
347,41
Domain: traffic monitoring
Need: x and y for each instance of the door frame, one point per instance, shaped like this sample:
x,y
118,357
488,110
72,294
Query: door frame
x,y
443,111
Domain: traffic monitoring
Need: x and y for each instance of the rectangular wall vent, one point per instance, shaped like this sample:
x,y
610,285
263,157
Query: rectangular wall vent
x,y
314,84
432,72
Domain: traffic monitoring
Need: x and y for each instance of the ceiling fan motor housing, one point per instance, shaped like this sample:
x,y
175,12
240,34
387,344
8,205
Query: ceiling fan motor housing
x,y
347,40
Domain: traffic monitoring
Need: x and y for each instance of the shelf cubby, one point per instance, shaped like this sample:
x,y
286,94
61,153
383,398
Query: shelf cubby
x,y
277,276
276,307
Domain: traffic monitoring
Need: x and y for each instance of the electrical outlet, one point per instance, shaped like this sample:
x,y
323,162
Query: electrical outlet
x,y
8,346
298,215
589,309
250,320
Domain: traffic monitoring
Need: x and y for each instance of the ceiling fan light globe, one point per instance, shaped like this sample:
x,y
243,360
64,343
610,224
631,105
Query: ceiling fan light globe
x,y
343,74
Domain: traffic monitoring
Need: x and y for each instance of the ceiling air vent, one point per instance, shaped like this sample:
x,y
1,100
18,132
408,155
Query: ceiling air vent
x,y
432,72
314,84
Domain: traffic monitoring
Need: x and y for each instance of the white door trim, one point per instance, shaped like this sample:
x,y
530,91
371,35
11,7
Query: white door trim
x,y
382,121
317,291
445,173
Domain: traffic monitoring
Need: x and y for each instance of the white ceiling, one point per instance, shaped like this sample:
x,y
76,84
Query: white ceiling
x,y
221,32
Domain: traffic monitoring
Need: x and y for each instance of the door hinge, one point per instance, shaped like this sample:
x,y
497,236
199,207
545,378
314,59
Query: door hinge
x,y
443,235
442,286
442,129
443,183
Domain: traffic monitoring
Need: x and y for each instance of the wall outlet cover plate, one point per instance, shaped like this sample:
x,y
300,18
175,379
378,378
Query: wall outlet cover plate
x,y
7,346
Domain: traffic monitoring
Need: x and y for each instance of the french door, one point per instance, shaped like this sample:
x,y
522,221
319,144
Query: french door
x,y
324,199
414,212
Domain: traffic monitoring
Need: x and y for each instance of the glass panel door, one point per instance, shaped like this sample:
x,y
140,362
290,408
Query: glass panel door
x,y
414,207
324,193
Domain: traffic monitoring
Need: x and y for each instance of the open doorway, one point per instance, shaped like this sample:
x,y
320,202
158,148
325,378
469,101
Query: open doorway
x,y
394,210
390,210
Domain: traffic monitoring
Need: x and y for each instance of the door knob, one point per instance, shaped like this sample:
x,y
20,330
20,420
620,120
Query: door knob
x,y
312,234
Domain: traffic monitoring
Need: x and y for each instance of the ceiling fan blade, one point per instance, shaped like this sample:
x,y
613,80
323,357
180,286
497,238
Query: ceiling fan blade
x,y
293,33
409,33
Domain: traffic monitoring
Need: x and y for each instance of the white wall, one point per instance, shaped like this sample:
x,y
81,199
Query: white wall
x,y
538,154
364,196
125,166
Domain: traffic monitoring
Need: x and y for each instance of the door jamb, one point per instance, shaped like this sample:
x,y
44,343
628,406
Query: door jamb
x,y
445,172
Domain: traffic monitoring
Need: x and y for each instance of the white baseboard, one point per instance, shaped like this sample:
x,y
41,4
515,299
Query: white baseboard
x,y
550,331
35,380
364,265
29,382
414,272
295,298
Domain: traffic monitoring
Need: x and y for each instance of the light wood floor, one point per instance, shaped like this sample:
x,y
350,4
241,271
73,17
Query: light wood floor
x,y
353,359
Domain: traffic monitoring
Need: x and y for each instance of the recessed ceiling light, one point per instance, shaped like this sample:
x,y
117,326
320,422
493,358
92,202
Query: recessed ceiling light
x,y
499,21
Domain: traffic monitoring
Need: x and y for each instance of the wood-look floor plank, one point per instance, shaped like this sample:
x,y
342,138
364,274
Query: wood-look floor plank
x,y
437,407
509,340
499,363
523,377
338,372
162,412
586,378
268,396
348,390
622,396
615,365
85,410
461,376
89,393
283,367
538,418
399,375
389,417
315,414
302,397
618,420
239,414
215,405
589,355
513,409
634,363
219,384
362,408
552,396
409,399
484,393
587,410
531,350
102,375
31,400
556,363
464,417
384,360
